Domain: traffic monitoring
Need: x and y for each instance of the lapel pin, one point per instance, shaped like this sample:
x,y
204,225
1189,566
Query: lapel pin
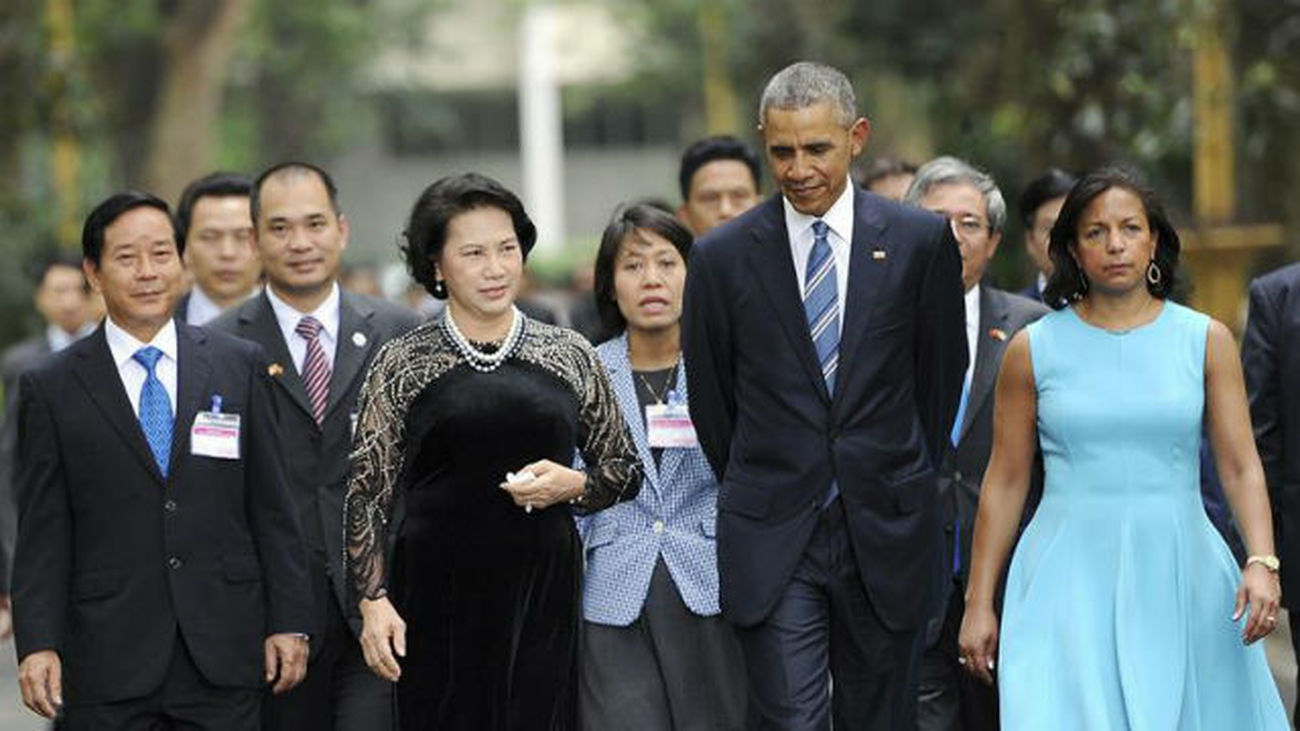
x,y
878,255
359,339
998,334
274,370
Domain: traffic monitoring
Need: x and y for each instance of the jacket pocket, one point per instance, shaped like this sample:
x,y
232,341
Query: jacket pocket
x,y
96,584
911,492
602,533
709,527
240,567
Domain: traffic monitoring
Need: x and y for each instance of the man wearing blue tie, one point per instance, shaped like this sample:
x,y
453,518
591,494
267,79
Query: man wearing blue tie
x,y
825,347
160,579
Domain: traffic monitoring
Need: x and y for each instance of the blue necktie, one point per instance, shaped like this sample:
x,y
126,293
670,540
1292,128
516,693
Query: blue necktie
x,y
155,409
821,307
955,436
821,303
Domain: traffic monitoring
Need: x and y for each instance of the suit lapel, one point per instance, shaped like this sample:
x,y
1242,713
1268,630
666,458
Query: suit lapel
x,y
192,372
624,384
260,326
867,276
356,338
988,353
98,374
772,263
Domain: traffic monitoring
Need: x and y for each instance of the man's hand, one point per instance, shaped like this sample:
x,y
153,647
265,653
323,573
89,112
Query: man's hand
x,y
40,675
286,656
6,618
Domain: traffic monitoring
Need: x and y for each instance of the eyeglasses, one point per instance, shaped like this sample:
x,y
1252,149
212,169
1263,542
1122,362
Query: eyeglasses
x,y
968,226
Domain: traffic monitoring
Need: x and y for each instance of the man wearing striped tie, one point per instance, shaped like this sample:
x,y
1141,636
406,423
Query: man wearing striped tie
x,y
825,348
160,577
320,339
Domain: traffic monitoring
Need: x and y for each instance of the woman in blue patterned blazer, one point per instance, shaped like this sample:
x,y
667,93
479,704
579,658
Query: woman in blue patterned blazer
x,y
656,652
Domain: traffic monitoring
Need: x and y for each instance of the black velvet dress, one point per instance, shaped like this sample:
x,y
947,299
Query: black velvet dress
x,y
489,593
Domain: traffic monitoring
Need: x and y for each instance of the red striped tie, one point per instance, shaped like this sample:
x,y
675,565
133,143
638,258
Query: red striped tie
x,y
315,368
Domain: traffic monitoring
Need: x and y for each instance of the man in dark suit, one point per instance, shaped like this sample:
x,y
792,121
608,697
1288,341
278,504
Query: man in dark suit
x,y
718,177
1040,204
824,346
160,575
1270,356
321,339
61,299
951,699
213,220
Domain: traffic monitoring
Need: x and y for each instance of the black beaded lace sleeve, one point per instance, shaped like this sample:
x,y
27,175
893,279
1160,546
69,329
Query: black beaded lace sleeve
x,y
613,467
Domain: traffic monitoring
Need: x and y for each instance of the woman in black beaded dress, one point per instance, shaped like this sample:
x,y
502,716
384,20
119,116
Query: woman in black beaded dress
x,y
466,429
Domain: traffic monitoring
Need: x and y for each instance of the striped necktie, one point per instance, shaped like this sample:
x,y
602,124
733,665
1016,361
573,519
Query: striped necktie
x,y
315,368
821,303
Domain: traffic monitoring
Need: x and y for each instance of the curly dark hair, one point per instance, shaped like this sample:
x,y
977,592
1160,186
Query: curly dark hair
x,y
1068,283
446,198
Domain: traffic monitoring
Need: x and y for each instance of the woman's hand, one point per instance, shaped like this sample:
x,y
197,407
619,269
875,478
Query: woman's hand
x,y
550,483
978,642
1260,591
383,637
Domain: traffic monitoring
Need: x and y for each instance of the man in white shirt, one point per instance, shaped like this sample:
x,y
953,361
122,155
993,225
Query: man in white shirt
x,y
320,339
159,576
950,699
213,219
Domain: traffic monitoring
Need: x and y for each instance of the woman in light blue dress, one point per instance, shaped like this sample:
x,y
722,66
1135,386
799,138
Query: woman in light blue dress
x,y
1123,608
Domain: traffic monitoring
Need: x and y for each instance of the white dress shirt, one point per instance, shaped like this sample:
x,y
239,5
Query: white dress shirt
x,y
201,308
972,328
123,346
839,219
288,317
58,338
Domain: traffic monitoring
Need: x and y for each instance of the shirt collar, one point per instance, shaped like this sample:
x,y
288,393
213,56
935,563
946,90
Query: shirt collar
x,y
973,299
839,217
327,312
123,344
201,307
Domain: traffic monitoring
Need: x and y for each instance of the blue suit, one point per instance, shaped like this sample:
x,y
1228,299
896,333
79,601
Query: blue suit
x,y
679,495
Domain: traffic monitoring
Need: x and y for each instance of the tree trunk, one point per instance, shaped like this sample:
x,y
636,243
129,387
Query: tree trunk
x,y
198,42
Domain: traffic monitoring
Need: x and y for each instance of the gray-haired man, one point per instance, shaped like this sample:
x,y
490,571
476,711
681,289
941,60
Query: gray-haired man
x,y
950,699
824,352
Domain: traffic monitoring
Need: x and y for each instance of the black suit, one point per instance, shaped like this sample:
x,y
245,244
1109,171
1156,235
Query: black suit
x,y
950,698
121,571
777,439
16,361
1270,355
340,691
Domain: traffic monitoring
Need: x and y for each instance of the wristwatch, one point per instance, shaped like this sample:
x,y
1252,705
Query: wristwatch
x,y
1269,562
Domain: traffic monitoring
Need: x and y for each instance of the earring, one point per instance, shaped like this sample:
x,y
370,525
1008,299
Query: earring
x,y
439,288
1154,274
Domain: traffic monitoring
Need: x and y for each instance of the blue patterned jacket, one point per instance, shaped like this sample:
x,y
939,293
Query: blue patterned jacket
x,y
673,516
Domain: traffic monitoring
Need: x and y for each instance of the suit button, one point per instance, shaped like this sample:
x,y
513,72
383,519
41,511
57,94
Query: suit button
x,y
174,562
170,506
658,526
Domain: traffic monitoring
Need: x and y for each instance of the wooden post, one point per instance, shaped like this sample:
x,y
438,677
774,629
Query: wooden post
x,y
65,147
720,113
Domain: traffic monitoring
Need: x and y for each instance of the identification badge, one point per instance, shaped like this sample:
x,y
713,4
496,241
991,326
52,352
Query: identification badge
x,y
215,434
669,425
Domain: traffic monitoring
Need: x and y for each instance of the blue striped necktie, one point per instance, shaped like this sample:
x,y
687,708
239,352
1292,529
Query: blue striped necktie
x,y
821,303
156,417
821,306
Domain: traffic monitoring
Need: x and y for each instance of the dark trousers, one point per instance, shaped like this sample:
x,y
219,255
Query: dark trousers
x,y
340,691
950,699
1294,619
185,702
824,628
669,670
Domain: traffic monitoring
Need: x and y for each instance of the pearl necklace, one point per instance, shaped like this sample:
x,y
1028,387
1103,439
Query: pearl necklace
x,y
477,359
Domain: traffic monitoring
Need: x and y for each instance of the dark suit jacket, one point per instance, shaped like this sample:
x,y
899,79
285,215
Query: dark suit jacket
x,y
1032,292
1270,355
16,361
113,560
1002,315
777,439
317,456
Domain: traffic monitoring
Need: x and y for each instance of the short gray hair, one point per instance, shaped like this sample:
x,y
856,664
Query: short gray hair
x,y
949,170
804,84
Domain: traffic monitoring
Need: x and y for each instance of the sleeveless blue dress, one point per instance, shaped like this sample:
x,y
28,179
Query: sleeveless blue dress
x,y
1118,605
